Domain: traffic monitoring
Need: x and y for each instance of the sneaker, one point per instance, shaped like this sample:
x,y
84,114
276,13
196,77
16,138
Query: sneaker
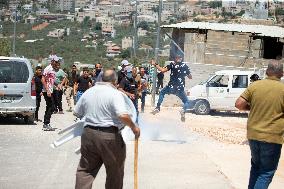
x,y
182,115
47,127
156,110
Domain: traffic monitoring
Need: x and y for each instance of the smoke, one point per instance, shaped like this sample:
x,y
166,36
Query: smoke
x,y
158,130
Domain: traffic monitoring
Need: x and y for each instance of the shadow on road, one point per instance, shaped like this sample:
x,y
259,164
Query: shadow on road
x,y
229,114
13,121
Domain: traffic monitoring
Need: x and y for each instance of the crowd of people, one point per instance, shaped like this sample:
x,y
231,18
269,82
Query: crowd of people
x,y
53,81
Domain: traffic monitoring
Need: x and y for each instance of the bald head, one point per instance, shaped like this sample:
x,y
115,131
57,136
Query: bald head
x,y
109,75
275,68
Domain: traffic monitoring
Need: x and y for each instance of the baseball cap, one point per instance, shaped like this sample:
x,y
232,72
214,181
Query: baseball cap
x,y
124,63
54,58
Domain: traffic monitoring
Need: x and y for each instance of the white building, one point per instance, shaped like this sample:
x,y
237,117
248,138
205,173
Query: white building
x,y
57,33
42,11
126,43
64,5
42,1
28,7
229,3
81,3
141,32
107,22
30,20
146,18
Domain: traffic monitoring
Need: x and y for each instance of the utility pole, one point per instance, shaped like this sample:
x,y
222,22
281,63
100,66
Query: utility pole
x,y
135,30
14,37
156,54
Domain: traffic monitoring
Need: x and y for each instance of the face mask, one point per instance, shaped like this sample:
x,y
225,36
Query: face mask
x,y
129,75
98,71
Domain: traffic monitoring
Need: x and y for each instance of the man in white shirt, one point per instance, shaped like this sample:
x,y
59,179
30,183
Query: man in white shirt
x,y
104,110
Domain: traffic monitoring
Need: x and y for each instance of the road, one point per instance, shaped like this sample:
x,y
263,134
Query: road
x,y
195,154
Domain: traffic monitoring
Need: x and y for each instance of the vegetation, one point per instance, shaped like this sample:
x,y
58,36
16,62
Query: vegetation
x,y
71,48
4,47
215,4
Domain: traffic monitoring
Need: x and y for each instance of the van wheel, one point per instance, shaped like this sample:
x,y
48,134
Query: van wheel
x,y
202,107
29,119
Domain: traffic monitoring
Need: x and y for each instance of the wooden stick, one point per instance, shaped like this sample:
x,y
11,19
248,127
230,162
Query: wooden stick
x,y
136,164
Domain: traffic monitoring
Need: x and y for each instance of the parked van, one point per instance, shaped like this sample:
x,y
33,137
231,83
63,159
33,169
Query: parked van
x,y
220,91
17,89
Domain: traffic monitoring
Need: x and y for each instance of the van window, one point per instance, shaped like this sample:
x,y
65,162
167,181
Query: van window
x,y
240,81
219,81
13,72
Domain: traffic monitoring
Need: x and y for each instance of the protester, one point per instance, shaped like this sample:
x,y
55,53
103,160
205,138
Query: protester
x,y
38,86
121,73
71,80
254,77
105,111
82,84
265,126
160,82
130,85
60,79
48,85
144,87
97,74
179,71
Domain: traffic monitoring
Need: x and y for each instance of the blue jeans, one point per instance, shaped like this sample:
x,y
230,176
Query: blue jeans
x,y
179,93
79,94
143,96
264,161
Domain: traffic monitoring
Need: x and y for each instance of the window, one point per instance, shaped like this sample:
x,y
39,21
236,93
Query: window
x,y
240,81
219,81
13,72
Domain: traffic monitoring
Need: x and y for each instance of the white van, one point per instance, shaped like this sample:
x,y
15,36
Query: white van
x,y
220,91
17,88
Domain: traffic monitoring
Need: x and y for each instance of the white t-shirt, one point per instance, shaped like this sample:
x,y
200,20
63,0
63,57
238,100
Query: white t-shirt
x,y
101,105
49,75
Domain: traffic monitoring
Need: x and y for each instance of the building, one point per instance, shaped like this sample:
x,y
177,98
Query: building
x,y
229,3
112,50
64,5
42,11
126,43
81,3
30,20
141,32
57,33
28,7
13,4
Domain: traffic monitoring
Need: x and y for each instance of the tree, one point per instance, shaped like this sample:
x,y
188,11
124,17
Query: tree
x,y
215,4
144,25
125,53
4,47
98,26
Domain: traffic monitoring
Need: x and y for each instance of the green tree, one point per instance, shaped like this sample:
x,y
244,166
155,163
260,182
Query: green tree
x,y
144,25
98,26
215,4
4,47
125,53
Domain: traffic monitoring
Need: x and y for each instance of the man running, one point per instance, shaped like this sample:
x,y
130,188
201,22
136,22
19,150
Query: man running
x,y
179,71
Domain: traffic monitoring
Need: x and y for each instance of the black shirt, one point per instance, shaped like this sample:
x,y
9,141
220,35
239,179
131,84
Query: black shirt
x,y
72,78
160,76
83,83
38,84
178,73
129,85
120,76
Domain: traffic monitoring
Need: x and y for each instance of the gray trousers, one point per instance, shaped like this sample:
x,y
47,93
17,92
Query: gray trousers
x,y
97,148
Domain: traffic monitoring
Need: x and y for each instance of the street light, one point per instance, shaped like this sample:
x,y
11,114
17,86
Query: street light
x,y
135,2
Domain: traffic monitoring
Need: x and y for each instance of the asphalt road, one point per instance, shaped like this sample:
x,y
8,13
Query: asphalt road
x,y
170,156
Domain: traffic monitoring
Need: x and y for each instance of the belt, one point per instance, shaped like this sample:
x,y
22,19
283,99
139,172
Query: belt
x,y
111,129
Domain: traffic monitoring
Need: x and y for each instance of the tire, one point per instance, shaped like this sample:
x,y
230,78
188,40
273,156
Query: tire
x,y
29,119
202,107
